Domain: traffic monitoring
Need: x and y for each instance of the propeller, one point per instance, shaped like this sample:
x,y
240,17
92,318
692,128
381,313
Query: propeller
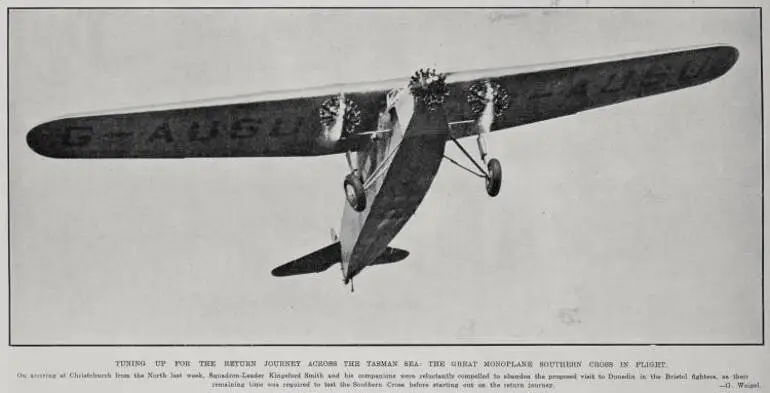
x,y
482,93
340,109
429,88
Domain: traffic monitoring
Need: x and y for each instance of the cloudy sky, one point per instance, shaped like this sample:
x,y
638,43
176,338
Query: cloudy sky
x,y
633,223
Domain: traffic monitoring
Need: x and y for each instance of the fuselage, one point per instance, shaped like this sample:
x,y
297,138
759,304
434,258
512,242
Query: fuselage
x,y
397,169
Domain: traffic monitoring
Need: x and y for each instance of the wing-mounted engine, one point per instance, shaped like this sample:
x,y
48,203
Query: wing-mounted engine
x,y
339,117
488,101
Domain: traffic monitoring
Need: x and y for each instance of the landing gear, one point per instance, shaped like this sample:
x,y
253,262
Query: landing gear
x,y
494,174
354,191
488,100
354,186
494,177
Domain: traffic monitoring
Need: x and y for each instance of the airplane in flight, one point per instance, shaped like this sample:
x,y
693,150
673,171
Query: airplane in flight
x,y
393,133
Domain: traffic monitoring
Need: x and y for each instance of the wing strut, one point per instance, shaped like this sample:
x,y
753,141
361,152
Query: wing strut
x,y
379,172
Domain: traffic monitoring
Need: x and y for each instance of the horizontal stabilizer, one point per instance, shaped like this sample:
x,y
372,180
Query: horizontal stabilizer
x,y
315,262
391,255
323,259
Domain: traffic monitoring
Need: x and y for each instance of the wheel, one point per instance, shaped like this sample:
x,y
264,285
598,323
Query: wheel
x,y
495,177
354,192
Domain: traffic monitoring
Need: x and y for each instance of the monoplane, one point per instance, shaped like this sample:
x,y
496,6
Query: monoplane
x,y
393,133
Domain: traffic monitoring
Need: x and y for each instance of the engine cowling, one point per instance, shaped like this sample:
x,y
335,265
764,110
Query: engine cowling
x,y
429,88
482,93
339,117
488,101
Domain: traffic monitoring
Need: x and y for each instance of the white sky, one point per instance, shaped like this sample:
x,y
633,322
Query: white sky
x,y
633,223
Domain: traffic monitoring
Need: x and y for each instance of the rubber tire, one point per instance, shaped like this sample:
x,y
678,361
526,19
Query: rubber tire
x,y
358,200
495,178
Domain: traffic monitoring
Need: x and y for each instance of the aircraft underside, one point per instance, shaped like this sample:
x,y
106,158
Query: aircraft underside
x,y
392,171
397,169
418,139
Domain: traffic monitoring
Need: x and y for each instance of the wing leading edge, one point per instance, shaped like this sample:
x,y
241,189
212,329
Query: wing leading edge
x,y
289,124
559,90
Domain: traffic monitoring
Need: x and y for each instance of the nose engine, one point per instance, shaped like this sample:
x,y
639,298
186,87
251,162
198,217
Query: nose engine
x,y
429,88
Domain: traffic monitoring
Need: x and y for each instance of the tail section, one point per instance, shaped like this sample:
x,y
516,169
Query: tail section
x,y
315,262
321,260
391,255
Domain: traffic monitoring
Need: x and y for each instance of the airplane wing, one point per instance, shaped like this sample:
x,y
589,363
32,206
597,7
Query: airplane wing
x,y
545,92
272,124
290,123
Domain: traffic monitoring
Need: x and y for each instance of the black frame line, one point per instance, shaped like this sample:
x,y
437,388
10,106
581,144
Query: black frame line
x,y
311,345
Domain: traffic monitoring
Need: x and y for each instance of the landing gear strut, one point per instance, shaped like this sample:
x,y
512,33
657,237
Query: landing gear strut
x,y
492,175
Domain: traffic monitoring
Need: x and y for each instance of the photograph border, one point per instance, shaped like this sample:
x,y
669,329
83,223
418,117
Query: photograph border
x,y
503,344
